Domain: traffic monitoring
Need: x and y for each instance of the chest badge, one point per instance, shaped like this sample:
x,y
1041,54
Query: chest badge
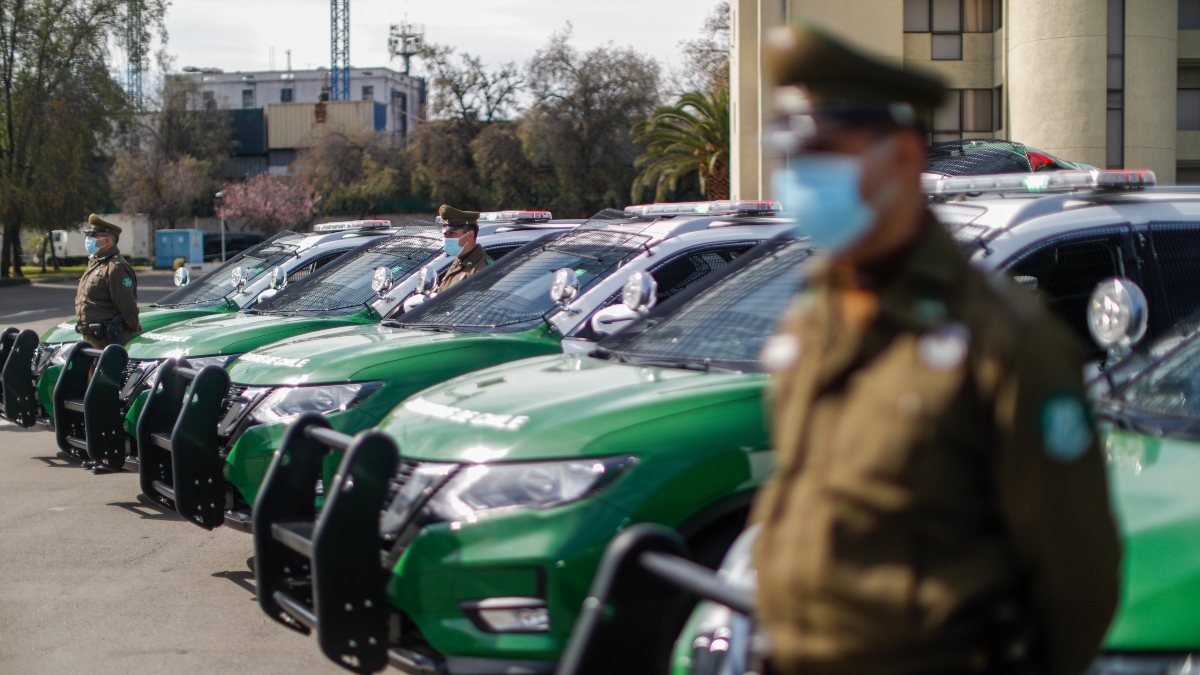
x,y
1066,433
945,348
780,352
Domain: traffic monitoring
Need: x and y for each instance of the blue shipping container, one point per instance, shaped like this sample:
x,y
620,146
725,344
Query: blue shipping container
x,y
172,244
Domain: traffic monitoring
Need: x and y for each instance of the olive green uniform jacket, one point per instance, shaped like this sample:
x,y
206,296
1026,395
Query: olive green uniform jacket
x,y
108,288
941,459
463,267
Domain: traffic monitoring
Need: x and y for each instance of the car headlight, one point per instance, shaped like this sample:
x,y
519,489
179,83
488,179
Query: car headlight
x,y
58,354
49,354
288,402
145,373
199,362
484,488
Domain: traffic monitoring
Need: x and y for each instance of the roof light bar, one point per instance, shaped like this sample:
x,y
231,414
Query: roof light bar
x,y
353,225
515,216
717,208
1036,183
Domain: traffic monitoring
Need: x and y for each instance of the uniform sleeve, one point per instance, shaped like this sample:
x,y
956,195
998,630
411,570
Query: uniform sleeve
x,y
1053,489
122,287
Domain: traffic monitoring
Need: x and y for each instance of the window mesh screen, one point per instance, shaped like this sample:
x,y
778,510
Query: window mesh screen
x,y
1177,248
724,325
346,286
218,283
1066,273
959,220
515,294
688,269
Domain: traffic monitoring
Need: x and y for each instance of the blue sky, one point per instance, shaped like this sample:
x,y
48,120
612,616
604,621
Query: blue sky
x,y
238,34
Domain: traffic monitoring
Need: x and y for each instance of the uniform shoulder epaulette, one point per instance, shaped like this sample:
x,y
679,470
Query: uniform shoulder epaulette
x,y
1024,305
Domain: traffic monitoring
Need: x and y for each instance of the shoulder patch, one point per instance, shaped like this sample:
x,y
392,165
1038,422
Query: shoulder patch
x,y
1066,431
945,348
127,282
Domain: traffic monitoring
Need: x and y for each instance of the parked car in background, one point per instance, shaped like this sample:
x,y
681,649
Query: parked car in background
x,y
235,242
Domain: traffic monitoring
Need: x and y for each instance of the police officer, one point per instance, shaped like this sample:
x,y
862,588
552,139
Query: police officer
x,y
939,504
106,310
461,229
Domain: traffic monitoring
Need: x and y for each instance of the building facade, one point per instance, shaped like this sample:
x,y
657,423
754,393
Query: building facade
x,y
1111,83
275,112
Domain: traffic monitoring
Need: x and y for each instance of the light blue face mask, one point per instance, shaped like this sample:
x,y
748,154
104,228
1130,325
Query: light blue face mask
x,y
821,190
453,248
91,245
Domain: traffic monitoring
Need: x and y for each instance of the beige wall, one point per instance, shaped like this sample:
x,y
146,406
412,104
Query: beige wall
x,y
744,95
974,71
1057,85
876,26
1151,67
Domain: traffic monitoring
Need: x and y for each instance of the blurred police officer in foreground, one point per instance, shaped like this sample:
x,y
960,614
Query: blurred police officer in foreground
x,y
106,308
940,503
461,229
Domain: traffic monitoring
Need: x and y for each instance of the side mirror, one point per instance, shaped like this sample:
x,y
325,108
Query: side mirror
x,y
278,279
1117,314
382,281
182,277
612,319
267,294
427,280
239,276
640,292
565,286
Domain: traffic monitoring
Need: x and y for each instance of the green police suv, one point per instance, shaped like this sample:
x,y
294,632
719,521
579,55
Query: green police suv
x,y
31,368
508,483
556,294
361,287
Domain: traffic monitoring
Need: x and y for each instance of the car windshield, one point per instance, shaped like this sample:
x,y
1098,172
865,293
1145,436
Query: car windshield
x,y
345,287
515,294
218,284
724,325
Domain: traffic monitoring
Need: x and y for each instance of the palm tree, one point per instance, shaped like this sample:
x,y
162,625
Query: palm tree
x,y
692,135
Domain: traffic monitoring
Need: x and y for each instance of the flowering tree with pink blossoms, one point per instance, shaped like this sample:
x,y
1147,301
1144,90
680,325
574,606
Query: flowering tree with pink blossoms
x,y
267,203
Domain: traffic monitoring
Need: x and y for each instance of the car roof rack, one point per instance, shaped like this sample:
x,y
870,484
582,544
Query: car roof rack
x,y
724,207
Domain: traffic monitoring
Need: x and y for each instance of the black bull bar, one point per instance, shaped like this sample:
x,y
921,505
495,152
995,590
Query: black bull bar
x,y
179,461
89,421
18,393
322,572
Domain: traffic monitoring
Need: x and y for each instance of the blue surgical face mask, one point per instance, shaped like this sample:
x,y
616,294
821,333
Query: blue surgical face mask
x,y
91,245
453,248
822,191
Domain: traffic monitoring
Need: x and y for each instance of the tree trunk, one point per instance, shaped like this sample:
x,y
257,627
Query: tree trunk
x,y
717,183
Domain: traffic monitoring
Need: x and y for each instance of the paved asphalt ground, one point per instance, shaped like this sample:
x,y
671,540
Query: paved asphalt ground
x,y
95,580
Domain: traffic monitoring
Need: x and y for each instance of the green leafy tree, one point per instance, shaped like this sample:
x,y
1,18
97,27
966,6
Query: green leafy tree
x,y
357,173
59,106
691,136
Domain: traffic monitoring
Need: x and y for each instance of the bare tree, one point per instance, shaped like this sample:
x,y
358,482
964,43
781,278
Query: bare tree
x,y
353,172
584,107
705,65
464,90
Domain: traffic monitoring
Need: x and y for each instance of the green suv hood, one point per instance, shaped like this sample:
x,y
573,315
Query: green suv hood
x,y
344,354
151,318
1157,504
558,406
227,334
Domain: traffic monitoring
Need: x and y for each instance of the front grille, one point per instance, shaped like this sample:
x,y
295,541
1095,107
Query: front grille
x,y
235,390
403,473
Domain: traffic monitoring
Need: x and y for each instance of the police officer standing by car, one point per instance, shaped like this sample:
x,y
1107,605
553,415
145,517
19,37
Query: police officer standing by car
x,y
106,309
461,229
940,503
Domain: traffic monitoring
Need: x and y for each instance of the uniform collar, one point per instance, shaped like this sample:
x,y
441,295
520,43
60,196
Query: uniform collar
x,y
111,253
922,293
473,257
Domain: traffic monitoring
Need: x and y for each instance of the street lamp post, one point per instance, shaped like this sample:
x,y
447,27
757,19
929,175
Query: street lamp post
x,y
219,196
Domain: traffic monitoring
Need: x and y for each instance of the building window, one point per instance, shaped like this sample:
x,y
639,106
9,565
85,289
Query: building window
x,y
965,111
247,98
1189,14
1188,110
368,93
285,95
400,110
947,20
1115,122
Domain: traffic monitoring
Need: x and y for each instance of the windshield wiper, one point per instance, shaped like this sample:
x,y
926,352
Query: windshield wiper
x,y
678,365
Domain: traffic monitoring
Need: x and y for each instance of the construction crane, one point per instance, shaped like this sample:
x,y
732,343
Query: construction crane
x,y
135,52
339,50
405,41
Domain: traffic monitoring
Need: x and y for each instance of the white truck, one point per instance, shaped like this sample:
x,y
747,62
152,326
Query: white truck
x,y
136,238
